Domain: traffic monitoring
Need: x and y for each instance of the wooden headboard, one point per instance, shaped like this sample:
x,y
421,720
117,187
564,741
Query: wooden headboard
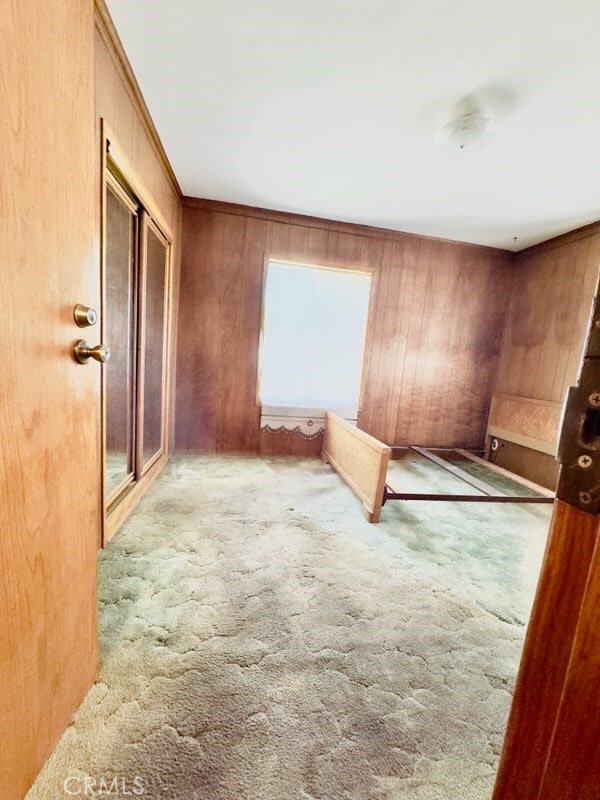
x,y
522,420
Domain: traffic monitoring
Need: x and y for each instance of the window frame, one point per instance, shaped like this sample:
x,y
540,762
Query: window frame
x,y
332,267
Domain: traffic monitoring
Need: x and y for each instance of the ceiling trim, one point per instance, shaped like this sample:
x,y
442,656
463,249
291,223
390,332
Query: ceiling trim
x,y
107,30
331,226
585,232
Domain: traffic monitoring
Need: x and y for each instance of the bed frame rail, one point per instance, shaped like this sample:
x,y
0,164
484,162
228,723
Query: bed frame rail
x,y
488,493
362,461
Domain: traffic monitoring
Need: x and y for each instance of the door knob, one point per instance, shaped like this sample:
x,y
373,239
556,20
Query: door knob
x,y
83,352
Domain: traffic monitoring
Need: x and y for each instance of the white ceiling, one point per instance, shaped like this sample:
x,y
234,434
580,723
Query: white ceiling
x,y
330,108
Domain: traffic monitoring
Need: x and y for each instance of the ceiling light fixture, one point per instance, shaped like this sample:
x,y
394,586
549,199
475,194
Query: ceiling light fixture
x,y
470,127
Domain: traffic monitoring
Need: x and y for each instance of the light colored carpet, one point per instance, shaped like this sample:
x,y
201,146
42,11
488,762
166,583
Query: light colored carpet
x,y
260,640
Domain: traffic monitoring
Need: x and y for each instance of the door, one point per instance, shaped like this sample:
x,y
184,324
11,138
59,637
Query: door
x,y
120,319
552,745
135,311
153,343
135,316
49,403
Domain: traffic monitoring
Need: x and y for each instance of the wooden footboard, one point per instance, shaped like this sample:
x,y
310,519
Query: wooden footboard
x,y
360,459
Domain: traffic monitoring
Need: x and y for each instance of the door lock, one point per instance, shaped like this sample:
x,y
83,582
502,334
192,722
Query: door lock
x,y
83,352
579,442
84,316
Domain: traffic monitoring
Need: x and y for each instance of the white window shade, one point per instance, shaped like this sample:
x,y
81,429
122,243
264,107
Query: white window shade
x,y
314,324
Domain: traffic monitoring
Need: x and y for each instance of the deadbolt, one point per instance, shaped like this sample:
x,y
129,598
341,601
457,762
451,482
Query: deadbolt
x,y
83,352
84,316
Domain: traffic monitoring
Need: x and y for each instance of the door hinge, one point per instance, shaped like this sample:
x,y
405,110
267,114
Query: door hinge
x,y
579,441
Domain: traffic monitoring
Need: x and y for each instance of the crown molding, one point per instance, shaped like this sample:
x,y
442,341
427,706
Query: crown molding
x,y
331,226
109,34
593,229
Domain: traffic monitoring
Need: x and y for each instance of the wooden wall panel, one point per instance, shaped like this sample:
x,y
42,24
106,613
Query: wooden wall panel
x,y
119,103
435,320
552,296
277,443
532,464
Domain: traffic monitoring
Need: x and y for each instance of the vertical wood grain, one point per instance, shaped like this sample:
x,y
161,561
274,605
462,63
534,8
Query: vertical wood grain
x,y
549,643
538,467
49,404
241,265
198,339
121,112
116,104
433,338
572,769
545,329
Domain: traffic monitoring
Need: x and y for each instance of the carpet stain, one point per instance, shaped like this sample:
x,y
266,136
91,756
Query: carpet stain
x,y
259,640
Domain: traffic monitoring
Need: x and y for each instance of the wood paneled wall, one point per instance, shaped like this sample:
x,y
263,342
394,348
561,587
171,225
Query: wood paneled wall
x,y
552,296
120,104
532,464
435,322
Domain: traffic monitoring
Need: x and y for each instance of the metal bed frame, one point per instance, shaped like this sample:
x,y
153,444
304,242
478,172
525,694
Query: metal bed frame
x,y
362,461
488,493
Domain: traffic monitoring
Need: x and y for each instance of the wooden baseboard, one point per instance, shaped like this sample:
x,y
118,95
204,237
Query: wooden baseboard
x,y
117,515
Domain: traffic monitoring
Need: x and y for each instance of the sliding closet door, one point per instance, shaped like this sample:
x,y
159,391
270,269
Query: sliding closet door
x,y
121,231
135,313
153,301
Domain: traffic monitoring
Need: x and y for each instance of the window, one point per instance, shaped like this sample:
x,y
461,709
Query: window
x,y
314,325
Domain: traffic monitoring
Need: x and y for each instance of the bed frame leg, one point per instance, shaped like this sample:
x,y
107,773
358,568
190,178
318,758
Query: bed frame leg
x,y
371,516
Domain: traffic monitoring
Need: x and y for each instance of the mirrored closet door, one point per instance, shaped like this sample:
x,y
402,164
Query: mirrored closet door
x,y
120,307
154,291
135,314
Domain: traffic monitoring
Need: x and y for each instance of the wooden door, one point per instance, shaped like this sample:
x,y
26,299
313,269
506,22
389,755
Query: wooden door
x,y
136,268
153,349
548,655
119,315
49,404
552,744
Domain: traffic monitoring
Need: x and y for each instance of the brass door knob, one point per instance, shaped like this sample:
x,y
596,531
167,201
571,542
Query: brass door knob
x,y
83,352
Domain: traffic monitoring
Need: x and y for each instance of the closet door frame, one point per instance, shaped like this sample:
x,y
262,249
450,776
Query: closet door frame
x,y
113,160
112,183
148,225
